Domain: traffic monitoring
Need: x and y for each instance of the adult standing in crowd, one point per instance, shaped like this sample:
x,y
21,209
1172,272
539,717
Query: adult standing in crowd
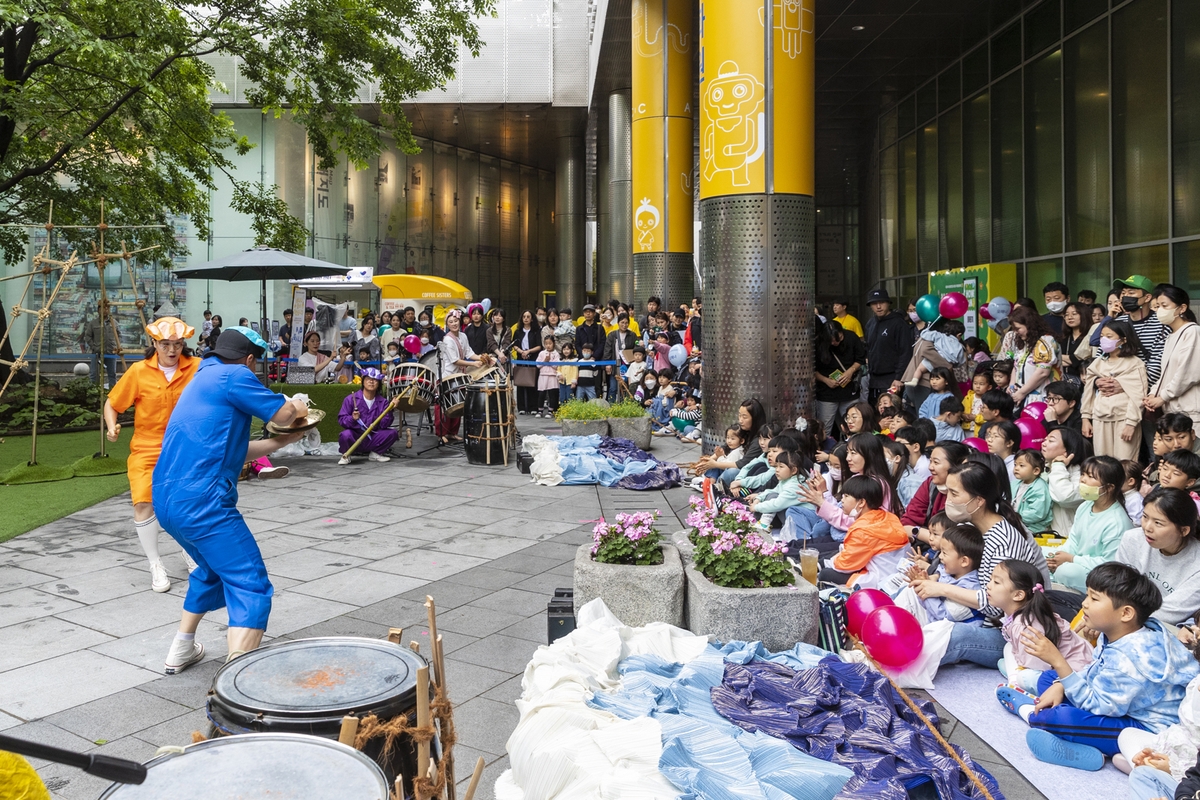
x,y
454,356
1036,359
590,334
840,356
935,347
653,306
889,345
426,325
693,338
500,340
1056,295
1076,320
1178,387
1136,296
527,341
842,316
476,331
617,345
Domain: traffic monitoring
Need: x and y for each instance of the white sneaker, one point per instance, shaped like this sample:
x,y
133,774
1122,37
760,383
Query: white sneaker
x,y
378,457
273,472
159,581
343,461
196,656
521,413
187,560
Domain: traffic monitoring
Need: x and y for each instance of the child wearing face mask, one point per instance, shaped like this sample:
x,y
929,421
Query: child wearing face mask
x,y
1115,423
1100,522
874,542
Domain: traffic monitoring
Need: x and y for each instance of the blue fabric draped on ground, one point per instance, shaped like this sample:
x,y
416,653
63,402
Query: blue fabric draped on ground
x,y
612,462
850,715
704,755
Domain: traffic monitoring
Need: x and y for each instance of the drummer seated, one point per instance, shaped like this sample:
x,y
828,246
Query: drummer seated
x,y
357,414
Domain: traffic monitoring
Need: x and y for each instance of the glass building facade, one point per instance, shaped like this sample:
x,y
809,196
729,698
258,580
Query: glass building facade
x,y
1068,142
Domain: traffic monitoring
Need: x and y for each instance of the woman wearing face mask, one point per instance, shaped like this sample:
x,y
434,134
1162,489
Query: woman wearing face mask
x,y
930,497
1114,422
1178,390
973,495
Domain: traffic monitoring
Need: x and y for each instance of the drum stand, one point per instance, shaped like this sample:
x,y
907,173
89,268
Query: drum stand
x,y
459,448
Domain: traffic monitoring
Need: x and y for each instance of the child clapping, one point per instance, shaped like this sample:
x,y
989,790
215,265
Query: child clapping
x,y
961,552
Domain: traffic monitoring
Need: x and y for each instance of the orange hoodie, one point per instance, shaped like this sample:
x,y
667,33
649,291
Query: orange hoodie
x,y
874,532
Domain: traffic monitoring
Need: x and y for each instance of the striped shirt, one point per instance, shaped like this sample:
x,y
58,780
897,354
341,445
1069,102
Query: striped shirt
x,y
1151,333
1000,543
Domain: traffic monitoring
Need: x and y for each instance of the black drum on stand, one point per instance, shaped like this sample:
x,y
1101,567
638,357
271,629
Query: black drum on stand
x,y
307,686
487,421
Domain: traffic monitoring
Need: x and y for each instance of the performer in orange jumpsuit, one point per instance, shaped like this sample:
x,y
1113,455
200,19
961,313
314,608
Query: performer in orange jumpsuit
x,y
152,387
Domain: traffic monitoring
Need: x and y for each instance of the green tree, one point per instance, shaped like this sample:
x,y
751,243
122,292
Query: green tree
x,y
110,98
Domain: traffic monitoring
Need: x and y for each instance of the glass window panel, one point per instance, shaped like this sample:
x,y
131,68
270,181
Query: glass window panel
x,y
419,197
889,194
1089,271
906,115
1006,50
445,211
1043,155
1037,275
1041,28
1007,183
1078,12
887,128
1141,200
977,186
908,204
468,219
1153,262
392,224
1187,268
950,180
1185,77
927,102
975,70
927,198
949,88
1085,121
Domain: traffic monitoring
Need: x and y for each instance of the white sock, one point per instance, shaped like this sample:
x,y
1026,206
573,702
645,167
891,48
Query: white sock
x,y
147,532
1024,712
181,648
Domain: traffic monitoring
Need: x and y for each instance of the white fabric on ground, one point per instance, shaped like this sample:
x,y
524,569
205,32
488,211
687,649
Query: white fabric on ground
x,y
545,469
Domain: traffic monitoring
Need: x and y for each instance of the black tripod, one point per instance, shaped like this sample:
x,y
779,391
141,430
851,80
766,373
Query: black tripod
x,y
458,448
119,770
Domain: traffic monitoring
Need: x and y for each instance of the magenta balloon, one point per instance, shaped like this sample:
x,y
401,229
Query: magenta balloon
x,y
1035,411
977,443
1032,433
412,344
860,605
954,305
984,312
893,637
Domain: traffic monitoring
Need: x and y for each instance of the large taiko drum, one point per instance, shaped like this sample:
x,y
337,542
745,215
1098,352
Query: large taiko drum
x,y
308,685
414,385
452,394
486,421
271,766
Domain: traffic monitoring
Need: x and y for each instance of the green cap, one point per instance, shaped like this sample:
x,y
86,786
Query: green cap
x,y
1136,282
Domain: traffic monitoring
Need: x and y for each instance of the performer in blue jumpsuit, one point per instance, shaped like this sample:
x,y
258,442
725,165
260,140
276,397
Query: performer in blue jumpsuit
x,y
195,491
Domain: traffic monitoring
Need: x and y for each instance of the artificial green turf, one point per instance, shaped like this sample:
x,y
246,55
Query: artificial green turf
x,y
29,505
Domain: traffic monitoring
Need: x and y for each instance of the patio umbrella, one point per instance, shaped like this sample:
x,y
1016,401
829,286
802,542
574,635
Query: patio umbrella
x,y
262,264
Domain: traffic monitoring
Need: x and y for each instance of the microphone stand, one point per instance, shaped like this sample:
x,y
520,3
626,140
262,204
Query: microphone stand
x,y
119,770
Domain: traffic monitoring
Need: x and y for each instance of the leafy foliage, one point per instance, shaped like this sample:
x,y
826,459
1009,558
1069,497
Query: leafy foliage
x,y
580,410
74,406
731,552
111,100
632,540
626,409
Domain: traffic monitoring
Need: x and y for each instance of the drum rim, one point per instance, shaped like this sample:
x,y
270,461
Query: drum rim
x,y
299,738
229,706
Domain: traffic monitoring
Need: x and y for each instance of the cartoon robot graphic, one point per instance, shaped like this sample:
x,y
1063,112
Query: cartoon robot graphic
x,y
792,19
646,219
734,136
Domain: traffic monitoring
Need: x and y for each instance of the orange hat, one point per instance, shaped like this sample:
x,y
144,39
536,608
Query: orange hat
x,y
170,328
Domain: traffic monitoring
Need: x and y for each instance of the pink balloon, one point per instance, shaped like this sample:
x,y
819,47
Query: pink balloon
x,y
977,443
985,312
1032,433
412,343
954,305
860,605
893,637
1035,411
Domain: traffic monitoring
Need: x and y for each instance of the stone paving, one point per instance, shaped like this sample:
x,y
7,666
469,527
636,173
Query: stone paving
x,y
351,551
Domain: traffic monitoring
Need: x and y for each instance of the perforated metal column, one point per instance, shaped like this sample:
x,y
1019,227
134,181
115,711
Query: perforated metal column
x,y
569,222
759,281
603,244
665,275
620,200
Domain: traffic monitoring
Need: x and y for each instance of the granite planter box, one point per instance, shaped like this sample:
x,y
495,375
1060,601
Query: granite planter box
x,y
778,617
585,427
637,595
635,429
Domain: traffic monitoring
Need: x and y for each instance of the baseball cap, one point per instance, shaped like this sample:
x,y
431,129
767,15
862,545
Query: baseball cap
x,y
878,296
371,372
589,307
1136,282
237,342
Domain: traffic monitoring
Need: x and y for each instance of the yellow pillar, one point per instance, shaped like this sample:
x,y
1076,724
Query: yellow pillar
x,y
662,45
757,108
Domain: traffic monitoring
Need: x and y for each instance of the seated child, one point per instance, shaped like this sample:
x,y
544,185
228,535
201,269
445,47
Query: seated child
x,y
1131,490
961,552
1031,491
785,494
1177,431
663,402
757,465
996,405
1136,680
981,384
802,523
1100,522
916,565
1180,469
1158,763
874,542
948,422
635,371
686,420
1016,589
942,385
1003,441
912,438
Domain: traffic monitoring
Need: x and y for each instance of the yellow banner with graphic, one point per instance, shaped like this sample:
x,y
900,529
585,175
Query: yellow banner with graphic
x,y
646,44
681,157
794,109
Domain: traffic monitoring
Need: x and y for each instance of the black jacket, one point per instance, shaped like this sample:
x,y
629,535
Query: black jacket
x,y
476,337
590,334
849,352
612,350
1189,787
889,348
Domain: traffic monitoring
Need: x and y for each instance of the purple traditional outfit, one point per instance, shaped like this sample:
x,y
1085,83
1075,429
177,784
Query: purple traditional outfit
x,y
381,439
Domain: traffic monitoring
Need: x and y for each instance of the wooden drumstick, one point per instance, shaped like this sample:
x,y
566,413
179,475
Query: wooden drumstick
x,y
349,730
390,407
475,776
431,611
422,722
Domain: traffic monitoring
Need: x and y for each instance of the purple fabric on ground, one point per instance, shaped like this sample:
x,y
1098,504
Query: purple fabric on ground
x,y
662,476
849,715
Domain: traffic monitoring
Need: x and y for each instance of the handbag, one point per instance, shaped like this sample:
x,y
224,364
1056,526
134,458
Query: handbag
x,y
525,377
831,632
